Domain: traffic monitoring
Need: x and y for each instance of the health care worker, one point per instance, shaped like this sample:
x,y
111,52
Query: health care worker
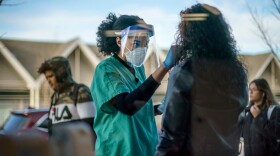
x,y
124,122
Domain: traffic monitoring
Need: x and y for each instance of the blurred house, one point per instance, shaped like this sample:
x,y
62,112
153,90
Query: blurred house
x,y
265,66
21,86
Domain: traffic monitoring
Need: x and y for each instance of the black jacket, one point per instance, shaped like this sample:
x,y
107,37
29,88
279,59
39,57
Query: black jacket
x,y
203,102
261,135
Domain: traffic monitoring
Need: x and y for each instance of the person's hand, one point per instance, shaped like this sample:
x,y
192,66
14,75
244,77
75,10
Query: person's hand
x,y
255,111
170,59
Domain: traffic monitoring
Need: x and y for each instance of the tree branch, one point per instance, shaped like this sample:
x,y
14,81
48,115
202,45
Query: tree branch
x,y
276,4
261,28
9,4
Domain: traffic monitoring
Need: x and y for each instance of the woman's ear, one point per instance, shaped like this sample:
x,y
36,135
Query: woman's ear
x,y
118,41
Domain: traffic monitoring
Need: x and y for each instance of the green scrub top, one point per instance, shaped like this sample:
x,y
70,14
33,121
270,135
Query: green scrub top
x,y
119,134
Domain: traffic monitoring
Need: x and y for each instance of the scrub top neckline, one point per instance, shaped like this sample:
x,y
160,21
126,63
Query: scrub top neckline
x,y
127,66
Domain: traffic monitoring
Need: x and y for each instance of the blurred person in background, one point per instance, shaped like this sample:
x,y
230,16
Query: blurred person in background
x,y
207,90
261,130
71,102
124,122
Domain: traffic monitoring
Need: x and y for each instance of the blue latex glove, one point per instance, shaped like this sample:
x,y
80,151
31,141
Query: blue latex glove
x,y
169,61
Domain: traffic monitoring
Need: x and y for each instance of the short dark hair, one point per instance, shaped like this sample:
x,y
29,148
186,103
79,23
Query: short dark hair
x,y
44,67
59,65
107,44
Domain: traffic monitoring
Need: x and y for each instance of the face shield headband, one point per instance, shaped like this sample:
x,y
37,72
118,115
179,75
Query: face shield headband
x,y
138,38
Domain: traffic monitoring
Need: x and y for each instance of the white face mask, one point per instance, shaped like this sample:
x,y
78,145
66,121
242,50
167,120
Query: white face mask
x,y
136,56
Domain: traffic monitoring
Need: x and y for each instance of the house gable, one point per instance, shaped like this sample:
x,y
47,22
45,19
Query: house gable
x,y
254,63
32,54
9,77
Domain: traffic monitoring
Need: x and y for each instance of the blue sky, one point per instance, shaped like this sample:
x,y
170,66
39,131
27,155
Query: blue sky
x,y
63,20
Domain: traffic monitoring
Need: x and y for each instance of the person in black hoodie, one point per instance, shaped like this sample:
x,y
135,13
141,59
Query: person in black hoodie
x,y
207,90
262,121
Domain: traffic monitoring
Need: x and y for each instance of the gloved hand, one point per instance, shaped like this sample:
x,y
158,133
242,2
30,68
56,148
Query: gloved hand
x,y
170,59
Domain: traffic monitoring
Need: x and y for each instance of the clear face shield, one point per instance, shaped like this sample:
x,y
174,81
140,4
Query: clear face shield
x,y
137,43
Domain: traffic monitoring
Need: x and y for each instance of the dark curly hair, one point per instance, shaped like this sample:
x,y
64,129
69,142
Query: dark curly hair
x,y
209,38
107,44
204,39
